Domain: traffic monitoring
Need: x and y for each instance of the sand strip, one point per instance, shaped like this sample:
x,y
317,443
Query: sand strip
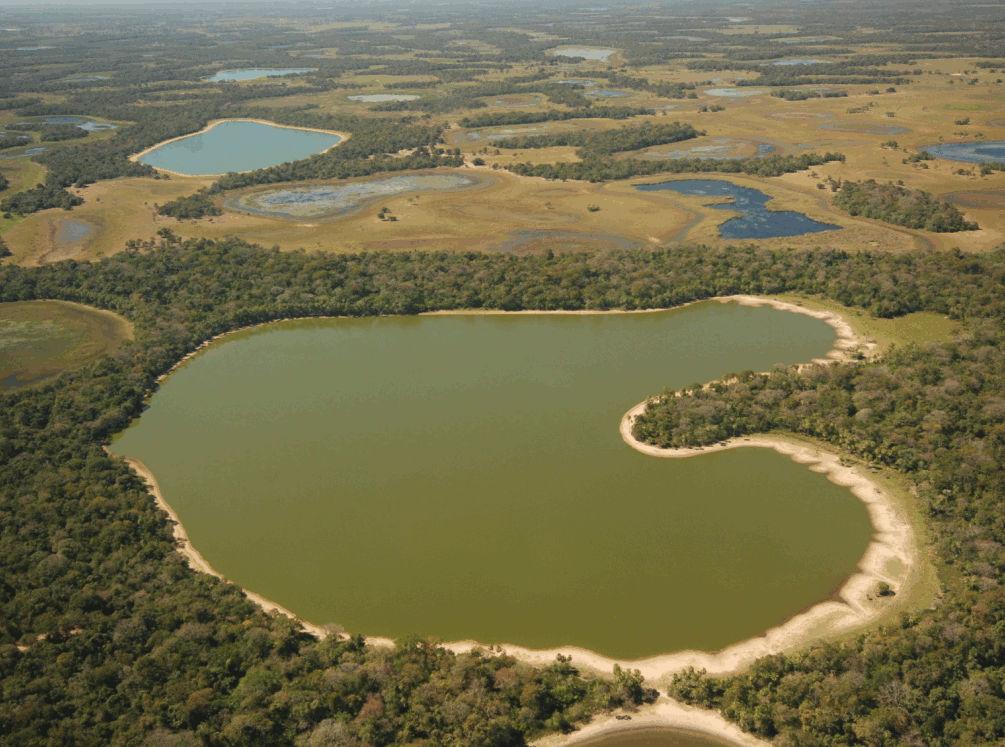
x,y
665,713
214,123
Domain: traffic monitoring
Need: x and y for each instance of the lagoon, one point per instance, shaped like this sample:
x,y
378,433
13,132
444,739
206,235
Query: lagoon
x,y
236,145
756,221
463,477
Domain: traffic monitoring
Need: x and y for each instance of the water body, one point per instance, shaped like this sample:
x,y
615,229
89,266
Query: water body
x,y
326,200
735,93
607,93
987,151
756,221
798,61
25,153
654,737
254,73
70,231
238,145
383,98
715,149
587,53
83,123
463,477
578,82
866,128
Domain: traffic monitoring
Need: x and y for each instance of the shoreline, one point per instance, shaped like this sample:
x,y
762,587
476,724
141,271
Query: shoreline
x,y
135,158
665,713
889,557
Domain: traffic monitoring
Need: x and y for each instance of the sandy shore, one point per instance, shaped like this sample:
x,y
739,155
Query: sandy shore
x,y
195,559
665,713
214,123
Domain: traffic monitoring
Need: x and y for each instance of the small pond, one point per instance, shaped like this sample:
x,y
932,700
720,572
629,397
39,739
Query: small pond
x,y
84,123
607,93
236,145
587,53
988,151
714,149
329,200
254,73
383,98
789,61
70,231
735,93
755,220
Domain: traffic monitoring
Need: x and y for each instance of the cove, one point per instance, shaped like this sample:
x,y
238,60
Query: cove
x,y
463,477
755,221
236,145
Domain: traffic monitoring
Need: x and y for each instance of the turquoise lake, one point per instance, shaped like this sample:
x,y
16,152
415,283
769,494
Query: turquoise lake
x,y
238,145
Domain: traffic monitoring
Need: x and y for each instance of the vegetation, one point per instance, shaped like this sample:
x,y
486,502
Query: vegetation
x,y
895,203
595,169
192,207
595,144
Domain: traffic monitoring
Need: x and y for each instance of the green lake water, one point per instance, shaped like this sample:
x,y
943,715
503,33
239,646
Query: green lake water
x,y
238,145
463,477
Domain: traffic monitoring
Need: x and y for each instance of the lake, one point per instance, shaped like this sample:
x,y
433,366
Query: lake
x,y
464,477
237,145
984,151
587,53
756,221
255,73
653,737
339,198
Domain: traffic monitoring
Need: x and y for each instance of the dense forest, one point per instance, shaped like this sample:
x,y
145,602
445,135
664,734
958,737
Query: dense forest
x,y
106,635
895,203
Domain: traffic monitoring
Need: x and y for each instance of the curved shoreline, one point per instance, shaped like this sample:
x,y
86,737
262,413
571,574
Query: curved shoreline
x,y
135,158
890,557
665,713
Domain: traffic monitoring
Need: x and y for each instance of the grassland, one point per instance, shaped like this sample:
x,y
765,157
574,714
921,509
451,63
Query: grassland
x,y
41,339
